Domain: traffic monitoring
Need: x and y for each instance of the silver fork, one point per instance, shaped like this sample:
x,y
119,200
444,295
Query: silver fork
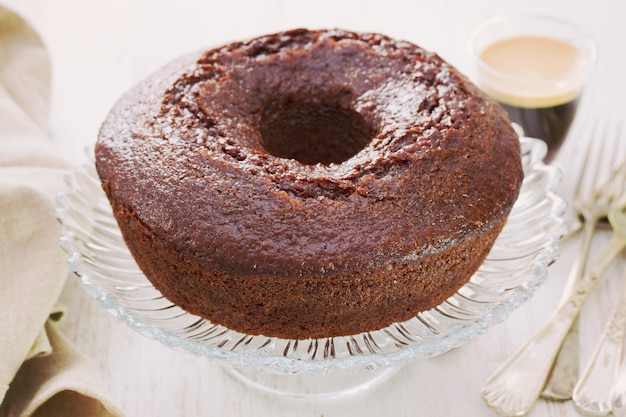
x,y
593,392
516,385
592,202
618,395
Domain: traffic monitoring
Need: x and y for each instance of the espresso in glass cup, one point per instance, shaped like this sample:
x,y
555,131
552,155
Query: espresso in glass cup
x,y
536,67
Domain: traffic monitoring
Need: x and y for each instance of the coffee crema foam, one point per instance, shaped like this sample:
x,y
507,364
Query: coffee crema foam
x,y
532,71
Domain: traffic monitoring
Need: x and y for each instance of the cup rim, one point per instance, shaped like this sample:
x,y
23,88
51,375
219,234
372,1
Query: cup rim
x,y
589,43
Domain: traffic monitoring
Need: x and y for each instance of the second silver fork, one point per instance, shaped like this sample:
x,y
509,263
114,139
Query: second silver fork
x,y
514,387
594,391
592,203
518,383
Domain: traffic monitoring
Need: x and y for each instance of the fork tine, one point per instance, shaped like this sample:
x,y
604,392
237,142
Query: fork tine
x,y
621,163
620,183
583,169
614,134
583,185
614,143
615,178
615,183
598,159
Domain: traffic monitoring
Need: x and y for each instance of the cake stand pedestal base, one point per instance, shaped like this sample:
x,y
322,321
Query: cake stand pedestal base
x,y
311,385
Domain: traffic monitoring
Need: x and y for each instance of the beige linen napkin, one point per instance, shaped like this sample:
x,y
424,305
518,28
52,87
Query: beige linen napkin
x,y
41,374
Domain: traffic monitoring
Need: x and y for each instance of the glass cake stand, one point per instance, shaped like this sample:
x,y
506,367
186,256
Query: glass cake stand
x,y
514,269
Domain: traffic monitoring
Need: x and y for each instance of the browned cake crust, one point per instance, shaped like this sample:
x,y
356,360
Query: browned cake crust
x,y
309,184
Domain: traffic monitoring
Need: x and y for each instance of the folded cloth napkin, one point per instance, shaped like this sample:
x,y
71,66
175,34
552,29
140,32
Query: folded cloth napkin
x,y
41,373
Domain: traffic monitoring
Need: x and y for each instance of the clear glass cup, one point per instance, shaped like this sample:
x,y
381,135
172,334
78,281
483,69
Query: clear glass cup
x,y
536,67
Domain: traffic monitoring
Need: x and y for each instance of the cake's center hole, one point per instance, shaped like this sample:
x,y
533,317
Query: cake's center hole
x,y
311,133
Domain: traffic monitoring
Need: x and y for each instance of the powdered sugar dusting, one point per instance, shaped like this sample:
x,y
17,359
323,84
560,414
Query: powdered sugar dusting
x,y
183,151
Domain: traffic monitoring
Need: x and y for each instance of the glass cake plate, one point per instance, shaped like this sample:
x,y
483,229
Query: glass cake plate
x,y
515,267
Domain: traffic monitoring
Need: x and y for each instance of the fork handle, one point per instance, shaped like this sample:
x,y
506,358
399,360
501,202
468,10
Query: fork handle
x,y
564,375
516,385
618,398
593,392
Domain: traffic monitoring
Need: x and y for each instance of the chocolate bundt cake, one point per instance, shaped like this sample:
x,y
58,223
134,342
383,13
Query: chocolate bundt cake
x,y
309,184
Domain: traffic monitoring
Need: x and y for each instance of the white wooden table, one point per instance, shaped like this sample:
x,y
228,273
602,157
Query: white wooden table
x,y
100,48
